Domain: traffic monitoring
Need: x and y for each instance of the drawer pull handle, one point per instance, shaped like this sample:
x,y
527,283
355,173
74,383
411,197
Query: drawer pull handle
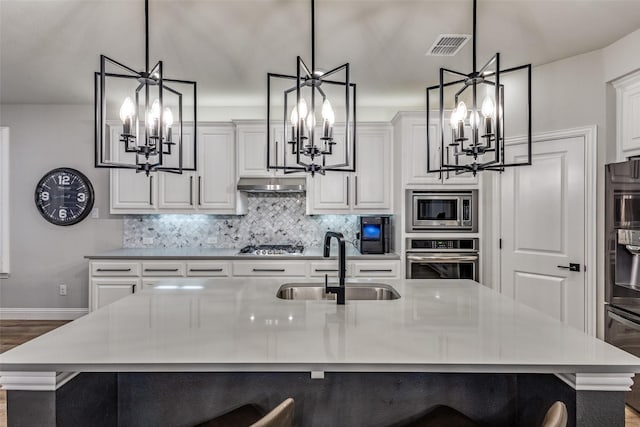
x,y
112,270
374,270
326,270
172,270
257,270
215,270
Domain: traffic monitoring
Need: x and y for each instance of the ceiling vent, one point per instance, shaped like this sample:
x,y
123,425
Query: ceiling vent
x,y
448,44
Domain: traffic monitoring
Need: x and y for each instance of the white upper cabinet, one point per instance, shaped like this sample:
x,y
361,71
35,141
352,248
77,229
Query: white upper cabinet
x,y
410,130
210,189
252,149
368,190
627,113
216,175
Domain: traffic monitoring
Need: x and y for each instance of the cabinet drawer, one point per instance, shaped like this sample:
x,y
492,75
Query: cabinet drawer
x,y
269,268
158,269
375,269
115,269
208,268
320,268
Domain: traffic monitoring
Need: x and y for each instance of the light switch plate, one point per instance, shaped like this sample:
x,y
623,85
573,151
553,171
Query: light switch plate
x,y
147,240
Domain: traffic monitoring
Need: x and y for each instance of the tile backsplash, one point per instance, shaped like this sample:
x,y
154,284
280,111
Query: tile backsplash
x,y
270,219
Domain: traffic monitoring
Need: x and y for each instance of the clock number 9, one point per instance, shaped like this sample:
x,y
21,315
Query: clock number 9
x,y
82,197
44,196
64,180
62,213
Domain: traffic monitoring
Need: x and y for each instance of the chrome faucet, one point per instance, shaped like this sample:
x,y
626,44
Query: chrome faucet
x,y
342,265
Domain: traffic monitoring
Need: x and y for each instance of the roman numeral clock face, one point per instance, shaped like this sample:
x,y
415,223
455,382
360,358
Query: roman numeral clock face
x,y
64,196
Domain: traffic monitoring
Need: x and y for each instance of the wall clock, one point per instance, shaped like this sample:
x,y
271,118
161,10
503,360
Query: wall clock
x,y
64,196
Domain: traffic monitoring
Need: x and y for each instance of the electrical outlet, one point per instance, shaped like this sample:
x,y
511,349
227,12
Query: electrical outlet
x,y
95,213
63,290
147,240
212,240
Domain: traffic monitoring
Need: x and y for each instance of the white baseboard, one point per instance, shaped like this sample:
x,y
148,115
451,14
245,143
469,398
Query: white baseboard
x,y
42,313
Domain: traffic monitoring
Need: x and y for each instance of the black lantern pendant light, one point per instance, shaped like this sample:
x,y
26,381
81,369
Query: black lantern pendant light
x,y
303,140
473,139
142,113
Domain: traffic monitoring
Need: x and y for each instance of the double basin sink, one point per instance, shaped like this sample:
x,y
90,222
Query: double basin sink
x,y
354,291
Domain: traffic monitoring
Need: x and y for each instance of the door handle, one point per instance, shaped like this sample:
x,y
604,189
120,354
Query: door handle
x,y
571,267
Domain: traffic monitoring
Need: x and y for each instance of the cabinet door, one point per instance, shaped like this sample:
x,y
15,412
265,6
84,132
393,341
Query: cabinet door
x,y
216,180
330,193
176,191
106,291
372,180
414,135
131,192
252,150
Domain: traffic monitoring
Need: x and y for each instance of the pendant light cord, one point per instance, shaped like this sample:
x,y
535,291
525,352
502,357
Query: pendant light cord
x,y
146,34
313,36
474,36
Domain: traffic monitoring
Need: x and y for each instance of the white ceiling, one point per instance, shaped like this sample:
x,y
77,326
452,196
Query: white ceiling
x,y
49,49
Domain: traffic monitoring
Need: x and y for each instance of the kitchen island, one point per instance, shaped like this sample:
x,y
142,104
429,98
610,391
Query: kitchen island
x,y
188,349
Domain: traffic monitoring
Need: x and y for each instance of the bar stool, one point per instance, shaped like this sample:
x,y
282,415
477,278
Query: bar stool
x,y
252,416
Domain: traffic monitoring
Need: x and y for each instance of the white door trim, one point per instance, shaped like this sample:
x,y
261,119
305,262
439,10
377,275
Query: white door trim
x,y
589,135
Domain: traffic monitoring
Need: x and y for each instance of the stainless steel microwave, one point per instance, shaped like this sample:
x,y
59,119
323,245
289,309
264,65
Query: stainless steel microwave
x,y
442,211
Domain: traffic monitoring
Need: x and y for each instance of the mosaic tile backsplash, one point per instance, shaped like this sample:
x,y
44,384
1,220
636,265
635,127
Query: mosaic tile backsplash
x,y
270,219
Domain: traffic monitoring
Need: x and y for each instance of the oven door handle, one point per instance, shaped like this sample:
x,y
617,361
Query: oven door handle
x,y
442,258
624,321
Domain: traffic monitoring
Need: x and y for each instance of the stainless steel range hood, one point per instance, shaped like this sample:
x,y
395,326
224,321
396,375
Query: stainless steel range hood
x,y
272,185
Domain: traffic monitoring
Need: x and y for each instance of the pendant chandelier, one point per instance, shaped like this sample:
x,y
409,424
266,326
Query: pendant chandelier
x,y
303,140
140,116
471,138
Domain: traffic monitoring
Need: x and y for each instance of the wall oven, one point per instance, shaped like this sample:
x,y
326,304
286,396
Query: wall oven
x,y
442,211
442,259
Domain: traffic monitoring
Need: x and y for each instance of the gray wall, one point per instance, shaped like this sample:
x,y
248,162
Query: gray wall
x,y
44,137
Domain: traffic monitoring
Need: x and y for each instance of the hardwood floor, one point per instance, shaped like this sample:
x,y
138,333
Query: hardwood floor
x,y
16,332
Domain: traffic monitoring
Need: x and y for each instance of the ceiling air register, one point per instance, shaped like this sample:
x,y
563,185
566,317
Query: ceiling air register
x,y
315,117
472,139
151,112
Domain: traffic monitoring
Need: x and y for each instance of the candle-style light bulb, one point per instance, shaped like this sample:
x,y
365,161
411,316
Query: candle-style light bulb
x,y
453,120
302,108
328,119
153,118
167,118
488,107
127,110
294,117
311,120
474,119
461,111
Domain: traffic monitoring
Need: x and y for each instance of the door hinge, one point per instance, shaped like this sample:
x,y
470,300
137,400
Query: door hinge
x,y
499,243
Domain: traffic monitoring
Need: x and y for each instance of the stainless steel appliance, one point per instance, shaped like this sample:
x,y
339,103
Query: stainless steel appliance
x,y
267,250
442,259
442,210
374,234
622,260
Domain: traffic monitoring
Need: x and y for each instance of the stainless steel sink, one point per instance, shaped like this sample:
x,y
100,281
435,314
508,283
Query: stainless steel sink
x,y
354,291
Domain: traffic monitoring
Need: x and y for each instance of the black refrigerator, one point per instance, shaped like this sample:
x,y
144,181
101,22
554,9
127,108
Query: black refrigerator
x,y
622,261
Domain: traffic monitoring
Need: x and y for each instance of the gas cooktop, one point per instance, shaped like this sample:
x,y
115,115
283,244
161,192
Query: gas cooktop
x,y
272,250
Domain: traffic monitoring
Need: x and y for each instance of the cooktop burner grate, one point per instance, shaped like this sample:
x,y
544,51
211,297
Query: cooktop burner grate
x,y
272,250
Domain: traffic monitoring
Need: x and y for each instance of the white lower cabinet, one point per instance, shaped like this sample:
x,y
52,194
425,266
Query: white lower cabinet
x,y
270,268
113,279
104,291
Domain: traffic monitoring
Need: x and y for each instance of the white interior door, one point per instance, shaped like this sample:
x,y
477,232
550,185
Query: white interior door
x,y
543,219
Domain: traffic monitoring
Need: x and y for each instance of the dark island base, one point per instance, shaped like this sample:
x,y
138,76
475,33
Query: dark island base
x,y
341,399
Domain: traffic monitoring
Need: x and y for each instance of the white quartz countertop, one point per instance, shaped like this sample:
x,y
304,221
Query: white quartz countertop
x,y
240,325
228,254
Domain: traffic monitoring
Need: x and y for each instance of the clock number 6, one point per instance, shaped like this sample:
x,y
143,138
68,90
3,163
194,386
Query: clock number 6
x,y
62,213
